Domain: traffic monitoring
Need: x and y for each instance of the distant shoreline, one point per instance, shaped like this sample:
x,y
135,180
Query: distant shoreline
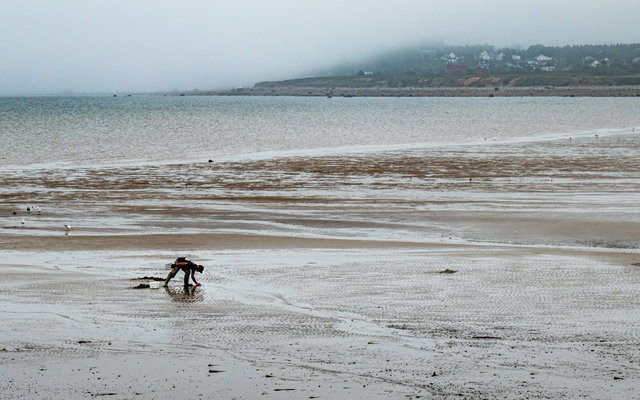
x,y
538,91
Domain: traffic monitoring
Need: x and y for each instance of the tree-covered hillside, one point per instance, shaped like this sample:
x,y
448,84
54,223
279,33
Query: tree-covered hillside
x,y
619,58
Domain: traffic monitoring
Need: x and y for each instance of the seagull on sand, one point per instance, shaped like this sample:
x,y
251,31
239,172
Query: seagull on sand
x,y
67,227
22,222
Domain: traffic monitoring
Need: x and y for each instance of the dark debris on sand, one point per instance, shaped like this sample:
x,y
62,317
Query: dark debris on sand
x,y
142,286
149,278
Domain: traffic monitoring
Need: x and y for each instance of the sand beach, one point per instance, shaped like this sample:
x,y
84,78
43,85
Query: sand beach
x,y
506,270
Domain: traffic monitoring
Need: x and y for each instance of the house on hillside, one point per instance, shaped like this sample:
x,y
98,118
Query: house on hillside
x,y
451,58
541,62
486,65
542,58
511,66
485,56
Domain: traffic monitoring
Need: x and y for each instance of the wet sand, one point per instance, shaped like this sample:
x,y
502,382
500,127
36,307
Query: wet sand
x,y
507,271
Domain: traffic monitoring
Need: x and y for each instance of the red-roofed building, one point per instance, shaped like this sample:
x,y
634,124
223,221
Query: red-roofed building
x,y
456,69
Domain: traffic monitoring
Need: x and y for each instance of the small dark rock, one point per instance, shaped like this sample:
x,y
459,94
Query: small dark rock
x,y
142,286
150,278
448,271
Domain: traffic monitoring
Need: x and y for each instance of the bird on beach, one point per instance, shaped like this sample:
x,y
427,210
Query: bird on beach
x,y
67,227
22,222
39,211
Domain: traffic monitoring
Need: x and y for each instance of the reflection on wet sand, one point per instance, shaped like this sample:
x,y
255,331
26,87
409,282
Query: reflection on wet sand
x,y
185,294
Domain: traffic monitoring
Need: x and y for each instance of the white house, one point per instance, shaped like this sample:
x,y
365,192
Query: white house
x,y
485,56
543,58
450,59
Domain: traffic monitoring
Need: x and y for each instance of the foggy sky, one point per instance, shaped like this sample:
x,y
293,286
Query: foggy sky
x,y
155,45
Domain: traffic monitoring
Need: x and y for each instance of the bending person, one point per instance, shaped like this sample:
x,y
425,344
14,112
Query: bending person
x,y
187,267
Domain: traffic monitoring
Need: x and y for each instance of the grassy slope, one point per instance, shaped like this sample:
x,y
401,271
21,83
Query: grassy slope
x,y
454,80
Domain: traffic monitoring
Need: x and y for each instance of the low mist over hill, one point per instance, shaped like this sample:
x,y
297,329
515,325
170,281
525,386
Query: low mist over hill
x,y
481,66
434,58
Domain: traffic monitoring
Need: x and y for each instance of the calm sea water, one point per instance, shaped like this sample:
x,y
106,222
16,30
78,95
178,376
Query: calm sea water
x,y
105,130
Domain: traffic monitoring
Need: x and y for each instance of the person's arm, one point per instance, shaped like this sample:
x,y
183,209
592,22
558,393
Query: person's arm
x,y
193,276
